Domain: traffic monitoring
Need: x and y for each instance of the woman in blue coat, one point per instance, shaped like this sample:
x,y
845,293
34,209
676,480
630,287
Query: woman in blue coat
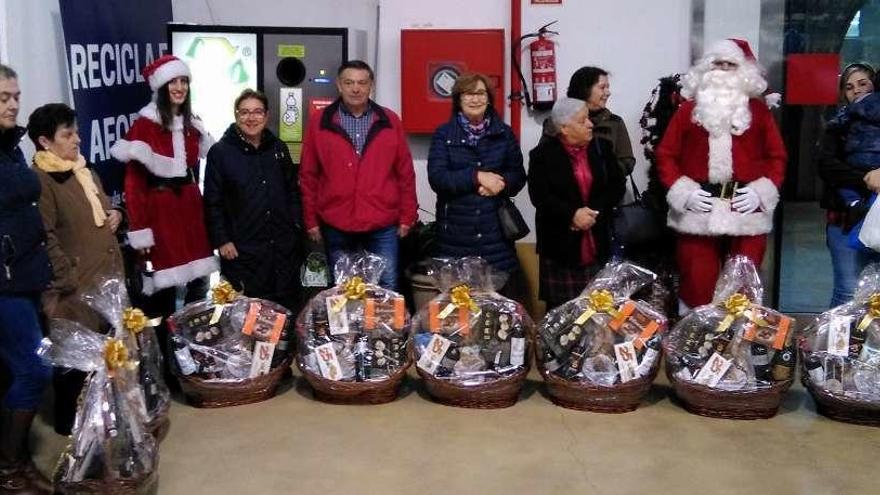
x,y
475,161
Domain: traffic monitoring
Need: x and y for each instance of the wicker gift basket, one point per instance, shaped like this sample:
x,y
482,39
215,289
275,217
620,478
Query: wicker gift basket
x,y
732,358
110,449
352,338
600,352
472,344
230,350
840,356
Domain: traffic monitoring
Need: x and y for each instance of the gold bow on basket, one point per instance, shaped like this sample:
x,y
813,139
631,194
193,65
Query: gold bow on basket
x,y
116,356
873,311
735,306
223,293
134,320
598,301
353,288
459,297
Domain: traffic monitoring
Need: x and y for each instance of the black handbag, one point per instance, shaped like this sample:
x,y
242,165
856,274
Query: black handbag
x,y
513,225
636,222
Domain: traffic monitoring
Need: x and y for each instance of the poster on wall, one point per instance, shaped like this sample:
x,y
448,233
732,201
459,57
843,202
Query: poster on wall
x,y
222,65
107,43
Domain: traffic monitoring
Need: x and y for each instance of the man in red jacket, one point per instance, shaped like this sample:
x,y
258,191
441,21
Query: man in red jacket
x,y
723,160
356,176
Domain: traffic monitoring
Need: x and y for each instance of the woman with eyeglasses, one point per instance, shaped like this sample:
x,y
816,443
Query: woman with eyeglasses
x,y
474,163
252,205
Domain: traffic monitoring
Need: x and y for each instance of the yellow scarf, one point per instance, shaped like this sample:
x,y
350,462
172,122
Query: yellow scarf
x,y
50,162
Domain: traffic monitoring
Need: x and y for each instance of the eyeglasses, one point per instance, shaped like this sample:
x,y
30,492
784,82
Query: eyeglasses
x,y
257,112
725,65
475,94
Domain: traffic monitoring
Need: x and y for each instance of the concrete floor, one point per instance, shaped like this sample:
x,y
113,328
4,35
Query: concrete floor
x,y
295,445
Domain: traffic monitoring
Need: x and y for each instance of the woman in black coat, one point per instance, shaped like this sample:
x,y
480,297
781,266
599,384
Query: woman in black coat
x,y
252,206
574,183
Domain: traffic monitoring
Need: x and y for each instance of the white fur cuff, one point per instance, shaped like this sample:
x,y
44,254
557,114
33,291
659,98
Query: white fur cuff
x,y
767,191
680,192
140,239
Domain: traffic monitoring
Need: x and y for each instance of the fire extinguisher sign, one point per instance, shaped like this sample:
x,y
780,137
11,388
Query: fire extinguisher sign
x,y
546,2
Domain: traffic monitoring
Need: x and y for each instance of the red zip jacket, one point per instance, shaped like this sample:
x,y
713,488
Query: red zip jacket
x,y
357,193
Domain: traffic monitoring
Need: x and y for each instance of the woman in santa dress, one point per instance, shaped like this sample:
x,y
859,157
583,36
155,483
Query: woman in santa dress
x,y
166,222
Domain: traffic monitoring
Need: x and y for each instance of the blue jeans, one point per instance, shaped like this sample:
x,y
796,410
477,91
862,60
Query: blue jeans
x,y
847,264
382,242
20,336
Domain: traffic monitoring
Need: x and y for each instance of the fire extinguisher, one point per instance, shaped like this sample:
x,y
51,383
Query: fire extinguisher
x,y
542,54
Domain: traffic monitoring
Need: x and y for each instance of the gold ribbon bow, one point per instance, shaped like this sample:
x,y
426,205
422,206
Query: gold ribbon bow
x,y
223,293
598,301
353,288
134,320
735,306
116,356
873,311
460,297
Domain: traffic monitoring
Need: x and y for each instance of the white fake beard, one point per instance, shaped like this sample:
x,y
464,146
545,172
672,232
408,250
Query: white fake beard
x,y
722,104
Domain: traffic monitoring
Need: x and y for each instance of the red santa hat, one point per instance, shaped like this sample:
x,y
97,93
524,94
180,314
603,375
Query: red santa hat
x,y
164,69
731,50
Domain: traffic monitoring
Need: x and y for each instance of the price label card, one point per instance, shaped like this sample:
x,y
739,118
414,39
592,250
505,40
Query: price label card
x,y
337,314
838,335
262,360
328,363
517,351
712,372
627,361
434,352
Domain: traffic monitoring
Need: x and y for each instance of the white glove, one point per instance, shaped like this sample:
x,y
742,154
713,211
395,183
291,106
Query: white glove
x,y
699,201
746,200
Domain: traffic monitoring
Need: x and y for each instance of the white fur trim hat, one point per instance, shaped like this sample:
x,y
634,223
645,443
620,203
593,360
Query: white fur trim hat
x,y
731,50
164,69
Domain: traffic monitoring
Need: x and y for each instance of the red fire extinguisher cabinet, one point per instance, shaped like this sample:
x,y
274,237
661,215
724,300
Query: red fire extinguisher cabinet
x,y
431,59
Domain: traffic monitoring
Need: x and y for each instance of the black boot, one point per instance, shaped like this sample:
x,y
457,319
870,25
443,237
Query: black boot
x,y
18,474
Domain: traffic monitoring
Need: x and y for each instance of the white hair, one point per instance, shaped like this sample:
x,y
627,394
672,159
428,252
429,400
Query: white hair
x,y
564,110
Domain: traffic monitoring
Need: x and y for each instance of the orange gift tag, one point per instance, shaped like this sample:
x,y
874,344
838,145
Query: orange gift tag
x,y
434,316
399,313
625,312
370,314
251,319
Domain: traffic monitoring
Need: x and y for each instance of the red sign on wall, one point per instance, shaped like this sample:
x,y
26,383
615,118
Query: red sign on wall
x,y
811,78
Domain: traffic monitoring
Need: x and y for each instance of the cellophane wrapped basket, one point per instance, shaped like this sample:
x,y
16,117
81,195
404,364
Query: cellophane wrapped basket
x,y
600,352
352,338
110,299
732,358
230,349
840,356
471,344
110,449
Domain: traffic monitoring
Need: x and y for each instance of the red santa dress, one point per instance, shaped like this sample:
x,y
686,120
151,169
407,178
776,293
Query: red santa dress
x,y
756,158
163,198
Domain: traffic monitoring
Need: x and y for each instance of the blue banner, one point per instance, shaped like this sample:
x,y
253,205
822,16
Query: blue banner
x,y
107,43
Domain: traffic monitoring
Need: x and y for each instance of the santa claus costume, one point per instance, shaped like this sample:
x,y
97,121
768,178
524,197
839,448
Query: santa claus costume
x,y
723,160
161,187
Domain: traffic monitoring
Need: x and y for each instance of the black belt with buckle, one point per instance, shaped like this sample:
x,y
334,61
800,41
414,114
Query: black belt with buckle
x,y
725,190
175,183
